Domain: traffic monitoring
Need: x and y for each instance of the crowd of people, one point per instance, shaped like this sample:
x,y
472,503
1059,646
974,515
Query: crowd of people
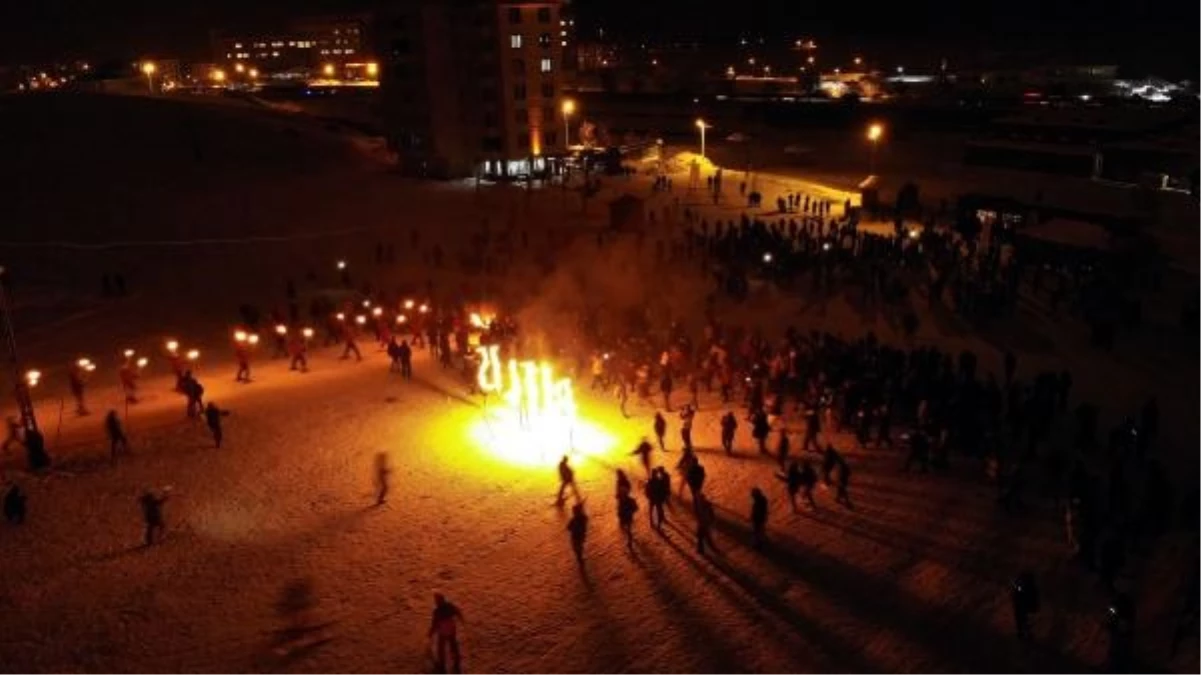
x,y
809,398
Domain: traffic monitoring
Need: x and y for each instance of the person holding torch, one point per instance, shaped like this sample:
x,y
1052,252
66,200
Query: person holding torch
x,y
298,349
129,377
242,354
281,341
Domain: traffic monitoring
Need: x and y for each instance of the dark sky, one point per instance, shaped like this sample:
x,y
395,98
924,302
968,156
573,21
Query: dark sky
x,y
1146,36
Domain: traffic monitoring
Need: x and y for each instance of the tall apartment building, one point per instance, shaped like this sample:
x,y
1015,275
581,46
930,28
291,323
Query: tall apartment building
x,y
472,87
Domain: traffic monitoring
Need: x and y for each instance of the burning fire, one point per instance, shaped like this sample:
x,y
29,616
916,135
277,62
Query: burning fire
x,y
536,421
533,391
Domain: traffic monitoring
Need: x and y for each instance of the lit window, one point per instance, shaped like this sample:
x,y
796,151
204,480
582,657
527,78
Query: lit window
x,y
515,41
237,45
348,51
544,65
228,55
291,43
544,40
274,54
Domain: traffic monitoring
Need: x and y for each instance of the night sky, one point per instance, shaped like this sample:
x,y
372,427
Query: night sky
x,y
1147,37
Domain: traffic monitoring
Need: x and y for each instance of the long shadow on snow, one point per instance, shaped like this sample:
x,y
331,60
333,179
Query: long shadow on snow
x,y
956,637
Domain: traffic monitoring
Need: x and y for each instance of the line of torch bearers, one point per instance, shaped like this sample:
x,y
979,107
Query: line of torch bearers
x,y
183,360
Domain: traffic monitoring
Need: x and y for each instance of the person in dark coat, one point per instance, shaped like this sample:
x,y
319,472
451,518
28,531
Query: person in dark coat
x,y
626,508
758,517
14,504
212,419
115,433
578,529
728,426
152,515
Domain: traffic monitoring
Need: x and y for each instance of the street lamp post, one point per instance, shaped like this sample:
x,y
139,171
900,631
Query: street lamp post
x,y
874,132
149,68
700,124
568,108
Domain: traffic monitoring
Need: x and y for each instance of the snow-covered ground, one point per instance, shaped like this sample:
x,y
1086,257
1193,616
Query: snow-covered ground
x,y
914,579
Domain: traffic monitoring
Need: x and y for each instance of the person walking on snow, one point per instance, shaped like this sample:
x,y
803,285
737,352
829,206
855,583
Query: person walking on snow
x,y
444,629
728,426
152,515
658,491
116,435
686,417
643,451
626,508
242,354
758,518
660,427
382,472
566,480
577,526
212,419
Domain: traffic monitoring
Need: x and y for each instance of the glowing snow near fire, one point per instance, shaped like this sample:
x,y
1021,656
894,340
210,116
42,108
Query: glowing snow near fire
x,y
529,414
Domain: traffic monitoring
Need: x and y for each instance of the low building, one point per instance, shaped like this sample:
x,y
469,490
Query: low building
x,y
326,45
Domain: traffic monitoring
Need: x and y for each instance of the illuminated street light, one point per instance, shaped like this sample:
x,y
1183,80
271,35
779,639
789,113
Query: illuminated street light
x,y
373,69
32,377
328,70
341,264
239,67
193,354
766,257
702,125
172,346
252,339
307,333
408,304
218,76
568,108
859,60
128,353
253,73
148,68
360,319
377,312
874,133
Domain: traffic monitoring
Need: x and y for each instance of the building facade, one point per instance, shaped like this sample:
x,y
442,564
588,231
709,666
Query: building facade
x,y
473,87
314,44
